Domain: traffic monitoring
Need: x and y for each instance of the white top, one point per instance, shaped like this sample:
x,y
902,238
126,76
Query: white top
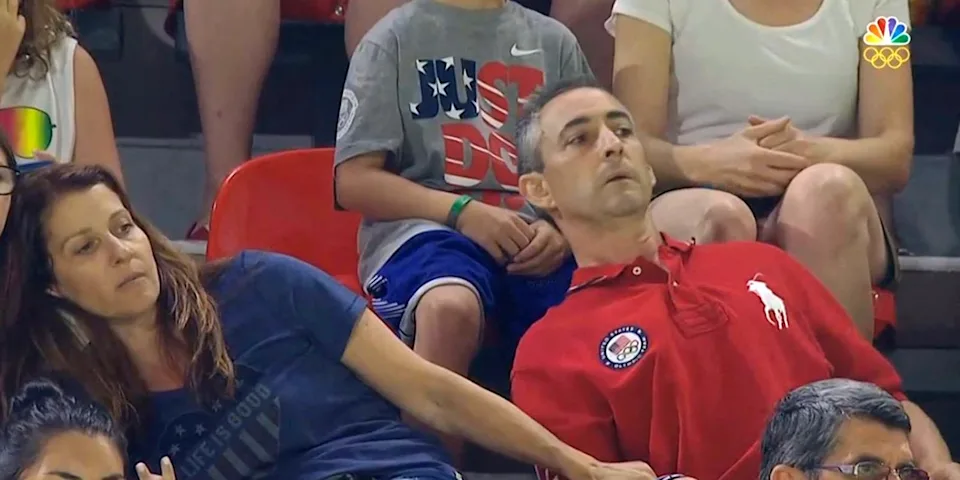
x,y
727,67
29,101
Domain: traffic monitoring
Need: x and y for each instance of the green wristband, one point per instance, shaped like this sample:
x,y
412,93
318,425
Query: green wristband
x,y
456,209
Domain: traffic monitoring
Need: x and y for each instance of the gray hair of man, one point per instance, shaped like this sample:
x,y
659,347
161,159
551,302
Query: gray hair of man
x,y
803,429
529,134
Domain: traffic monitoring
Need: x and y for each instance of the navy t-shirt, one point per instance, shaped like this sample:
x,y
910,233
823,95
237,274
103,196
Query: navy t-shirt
x,y
299,413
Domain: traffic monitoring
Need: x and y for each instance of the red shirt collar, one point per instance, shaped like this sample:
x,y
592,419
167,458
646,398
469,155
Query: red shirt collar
x,y
588,276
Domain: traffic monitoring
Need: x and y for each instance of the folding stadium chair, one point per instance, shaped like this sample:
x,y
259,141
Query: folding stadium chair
x,y
283,202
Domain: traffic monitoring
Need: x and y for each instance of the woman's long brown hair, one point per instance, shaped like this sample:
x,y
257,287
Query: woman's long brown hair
x,y
45,26
36,336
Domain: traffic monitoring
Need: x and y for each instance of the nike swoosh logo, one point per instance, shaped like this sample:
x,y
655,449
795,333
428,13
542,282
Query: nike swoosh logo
x,y
517,52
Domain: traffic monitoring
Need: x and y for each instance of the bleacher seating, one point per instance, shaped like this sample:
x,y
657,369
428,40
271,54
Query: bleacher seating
x,y
99,24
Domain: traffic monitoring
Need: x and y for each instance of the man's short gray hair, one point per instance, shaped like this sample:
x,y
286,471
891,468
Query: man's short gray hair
x,y
528,133
803,429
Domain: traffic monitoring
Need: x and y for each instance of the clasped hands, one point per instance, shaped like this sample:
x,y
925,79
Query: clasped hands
x,y
761,159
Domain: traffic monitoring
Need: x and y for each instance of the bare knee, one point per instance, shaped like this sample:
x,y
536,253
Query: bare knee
x,y
703,214
830,202
727,219
451,314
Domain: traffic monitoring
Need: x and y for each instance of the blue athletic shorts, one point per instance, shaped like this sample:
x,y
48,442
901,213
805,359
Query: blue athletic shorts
x,y
443,257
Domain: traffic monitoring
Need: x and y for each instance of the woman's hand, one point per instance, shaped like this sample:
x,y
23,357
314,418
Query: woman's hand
x,y
166,471
790,140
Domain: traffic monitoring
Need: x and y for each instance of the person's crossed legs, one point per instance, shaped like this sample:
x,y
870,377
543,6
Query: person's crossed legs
x,y
826,219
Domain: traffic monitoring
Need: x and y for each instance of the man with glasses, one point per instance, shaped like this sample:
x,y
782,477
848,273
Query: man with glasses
x,y
840,428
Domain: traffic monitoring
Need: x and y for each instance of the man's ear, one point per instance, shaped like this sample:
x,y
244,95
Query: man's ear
x,y
784,472
535,189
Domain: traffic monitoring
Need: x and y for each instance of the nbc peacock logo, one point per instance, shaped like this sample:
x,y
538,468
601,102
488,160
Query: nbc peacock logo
x,y
886,43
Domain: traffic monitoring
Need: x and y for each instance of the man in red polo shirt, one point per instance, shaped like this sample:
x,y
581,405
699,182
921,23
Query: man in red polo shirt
x,y
664,351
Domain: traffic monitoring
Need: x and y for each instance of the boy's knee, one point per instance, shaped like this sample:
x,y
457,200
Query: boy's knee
x,y
450,312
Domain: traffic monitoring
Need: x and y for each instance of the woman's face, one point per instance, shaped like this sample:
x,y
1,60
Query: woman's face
x,y
102,261
77,456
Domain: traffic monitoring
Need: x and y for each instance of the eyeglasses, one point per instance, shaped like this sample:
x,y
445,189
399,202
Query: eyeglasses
x,y
8,179
877,471
29,130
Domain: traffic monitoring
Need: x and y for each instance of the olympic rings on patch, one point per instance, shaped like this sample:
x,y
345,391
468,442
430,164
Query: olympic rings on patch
x,y
886,56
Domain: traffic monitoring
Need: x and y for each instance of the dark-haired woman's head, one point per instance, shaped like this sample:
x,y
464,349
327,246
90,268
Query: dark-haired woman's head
x,y
89,278
50,434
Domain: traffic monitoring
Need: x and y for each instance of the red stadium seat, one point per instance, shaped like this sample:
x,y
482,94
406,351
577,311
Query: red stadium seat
x,y
283,202
65,5
884,311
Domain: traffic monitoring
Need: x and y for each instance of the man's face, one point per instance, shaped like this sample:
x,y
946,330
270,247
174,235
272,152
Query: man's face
x,y
874,447
594,165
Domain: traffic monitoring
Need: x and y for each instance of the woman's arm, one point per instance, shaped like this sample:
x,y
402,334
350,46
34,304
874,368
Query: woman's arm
x,y
882,153
454,405
641,80
96,144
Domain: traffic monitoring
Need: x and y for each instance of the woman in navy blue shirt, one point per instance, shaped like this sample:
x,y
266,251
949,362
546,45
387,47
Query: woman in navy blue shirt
x,y
260,367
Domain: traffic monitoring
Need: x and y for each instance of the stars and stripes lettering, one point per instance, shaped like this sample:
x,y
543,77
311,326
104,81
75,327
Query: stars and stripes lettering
x,y
476,105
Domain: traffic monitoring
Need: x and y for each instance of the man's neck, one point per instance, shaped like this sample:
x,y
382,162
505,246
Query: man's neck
x,y
474,4
620,241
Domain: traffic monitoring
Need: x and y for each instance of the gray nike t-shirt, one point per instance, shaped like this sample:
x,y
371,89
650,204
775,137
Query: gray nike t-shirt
x,y
440,88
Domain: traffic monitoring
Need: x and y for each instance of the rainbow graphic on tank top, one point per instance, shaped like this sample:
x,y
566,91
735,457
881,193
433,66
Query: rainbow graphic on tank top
x,y
28,129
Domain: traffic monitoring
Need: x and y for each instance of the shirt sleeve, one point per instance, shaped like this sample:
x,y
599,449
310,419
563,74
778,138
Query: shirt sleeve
x,y
370,119
892,8
865,13
574,61
560,395
309,299
655,12
850,354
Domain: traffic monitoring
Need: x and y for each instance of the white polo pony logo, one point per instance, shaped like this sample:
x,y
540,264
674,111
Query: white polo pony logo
x,y
773,307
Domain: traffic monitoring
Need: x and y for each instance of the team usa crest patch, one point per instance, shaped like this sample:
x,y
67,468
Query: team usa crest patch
x,y
623,347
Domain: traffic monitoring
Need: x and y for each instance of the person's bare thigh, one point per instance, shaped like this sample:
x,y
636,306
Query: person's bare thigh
x,y
703,214
880,249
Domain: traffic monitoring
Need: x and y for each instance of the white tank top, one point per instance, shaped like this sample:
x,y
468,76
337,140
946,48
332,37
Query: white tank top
x,y
37,113
727,67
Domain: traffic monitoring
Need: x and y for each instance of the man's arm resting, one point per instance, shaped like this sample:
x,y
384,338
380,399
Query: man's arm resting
x,y
567,403
364,186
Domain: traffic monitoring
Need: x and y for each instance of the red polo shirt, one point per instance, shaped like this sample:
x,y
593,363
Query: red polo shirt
x,y
681,366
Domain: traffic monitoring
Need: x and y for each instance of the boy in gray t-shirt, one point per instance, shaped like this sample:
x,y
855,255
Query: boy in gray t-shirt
x,y
425,151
